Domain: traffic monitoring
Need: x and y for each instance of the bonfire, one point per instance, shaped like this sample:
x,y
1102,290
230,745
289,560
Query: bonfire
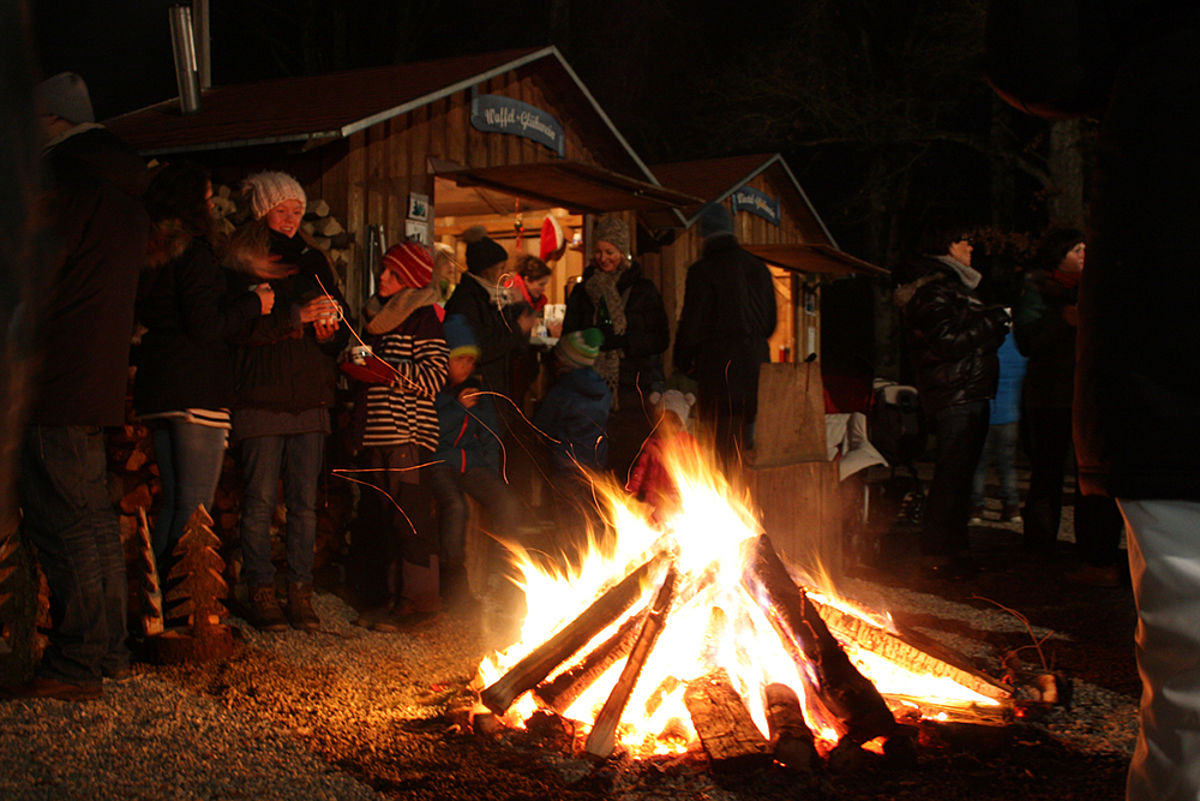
x,y
693,629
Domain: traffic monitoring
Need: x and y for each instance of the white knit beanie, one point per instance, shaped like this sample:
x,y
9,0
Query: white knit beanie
x,y
266,190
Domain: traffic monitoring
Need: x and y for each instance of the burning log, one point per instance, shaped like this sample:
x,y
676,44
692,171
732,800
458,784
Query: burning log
x,y
727,732
845,692
566,687
791,740
602,738
531,670
907,706
919,653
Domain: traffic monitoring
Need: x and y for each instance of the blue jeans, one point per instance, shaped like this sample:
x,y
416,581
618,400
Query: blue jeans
x,y
190,457
999,450
298,457
69,518
450,491
960,431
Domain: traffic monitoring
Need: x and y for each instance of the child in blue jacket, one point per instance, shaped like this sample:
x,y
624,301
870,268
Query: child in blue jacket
x,y
467,460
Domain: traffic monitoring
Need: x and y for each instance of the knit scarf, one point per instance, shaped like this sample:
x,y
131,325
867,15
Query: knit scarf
x,y
969,276
601,287
387,317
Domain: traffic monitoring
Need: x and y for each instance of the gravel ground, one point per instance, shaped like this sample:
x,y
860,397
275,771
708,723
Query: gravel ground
x,y
349,714
345,713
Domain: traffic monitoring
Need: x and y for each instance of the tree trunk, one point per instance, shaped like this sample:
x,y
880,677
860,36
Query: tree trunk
x,y
1065,203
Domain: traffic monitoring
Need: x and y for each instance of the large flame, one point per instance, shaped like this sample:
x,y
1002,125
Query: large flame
x,y
713,622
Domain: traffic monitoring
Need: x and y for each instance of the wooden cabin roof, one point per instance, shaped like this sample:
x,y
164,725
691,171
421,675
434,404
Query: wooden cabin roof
x,y
716,179
310,110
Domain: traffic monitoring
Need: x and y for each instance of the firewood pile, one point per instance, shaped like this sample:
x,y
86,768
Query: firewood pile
x,y
855,722
321,227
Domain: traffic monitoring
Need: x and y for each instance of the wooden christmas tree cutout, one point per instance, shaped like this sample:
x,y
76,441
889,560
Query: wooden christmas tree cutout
x,y
196,597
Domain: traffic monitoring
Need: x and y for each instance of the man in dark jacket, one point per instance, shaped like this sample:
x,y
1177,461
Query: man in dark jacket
x,y
84,327
728,315
1137,413
952,339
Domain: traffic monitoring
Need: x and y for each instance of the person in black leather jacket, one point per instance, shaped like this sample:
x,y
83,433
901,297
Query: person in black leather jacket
x,y
952,339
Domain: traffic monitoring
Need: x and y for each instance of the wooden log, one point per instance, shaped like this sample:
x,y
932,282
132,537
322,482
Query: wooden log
x,y
791,740
318,208
911,649
848,695
563,690
602,738
328,227
911,709
531,670
152,617
723,723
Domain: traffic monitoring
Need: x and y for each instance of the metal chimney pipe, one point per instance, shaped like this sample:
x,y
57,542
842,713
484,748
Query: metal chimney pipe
x,y
184,48
203,40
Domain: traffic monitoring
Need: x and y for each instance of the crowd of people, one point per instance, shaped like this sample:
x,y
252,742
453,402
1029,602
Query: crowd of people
x,y
244,340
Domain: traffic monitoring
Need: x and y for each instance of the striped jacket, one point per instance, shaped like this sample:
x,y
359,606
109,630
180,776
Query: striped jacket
x,y
403,413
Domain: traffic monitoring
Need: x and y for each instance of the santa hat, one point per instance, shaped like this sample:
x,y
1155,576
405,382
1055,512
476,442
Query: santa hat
x,y
411,262
552,240
267,190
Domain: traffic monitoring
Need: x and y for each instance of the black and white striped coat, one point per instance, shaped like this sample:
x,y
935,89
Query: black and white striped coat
x,y
403,413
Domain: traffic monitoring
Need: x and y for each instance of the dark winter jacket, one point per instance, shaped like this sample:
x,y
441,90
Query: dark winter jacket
x,y
185,360
1136,417
728,315
279,365
952,337
647,332
468,438
84,323
575,413
1044,335
495,330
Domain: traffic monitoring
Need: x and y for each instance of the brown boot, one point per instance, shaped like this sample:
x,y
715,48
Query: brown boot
x,y
300,609
265,614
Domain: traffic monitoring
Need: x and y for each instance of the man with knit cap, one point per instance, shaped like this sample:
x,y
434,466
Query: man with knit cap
x,y
500,327
727,317
94,184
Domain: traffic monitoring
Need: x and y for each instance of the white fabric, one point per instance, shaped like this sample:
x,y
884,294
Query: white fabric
x,y
1164,562
847,434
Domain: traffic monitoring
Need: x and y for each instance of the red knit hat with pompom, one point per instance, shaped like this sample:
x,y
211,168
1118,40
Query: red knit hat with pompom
x,y
411,262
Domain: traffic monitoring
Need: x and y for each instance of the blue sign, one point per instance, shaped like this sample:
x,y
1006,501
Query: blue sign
x,y
750,199
504,115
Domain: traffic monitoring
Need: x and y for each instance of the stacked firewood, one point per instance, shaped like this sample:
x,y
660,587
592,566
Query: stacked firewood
x,y
321,227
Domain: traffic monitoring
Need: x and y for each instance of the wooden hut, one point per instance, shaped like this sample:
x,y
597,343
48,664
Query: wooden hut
x,y
774,219
422,150
790,475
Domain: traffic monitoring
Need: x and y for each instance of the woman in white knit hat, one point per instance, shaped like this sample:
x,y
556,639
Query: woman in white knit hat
x,y
285,377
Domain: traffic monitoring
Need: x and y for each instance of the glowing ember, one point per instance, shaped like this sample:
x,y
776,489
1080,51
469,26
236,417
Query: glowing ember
x,y
712,624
